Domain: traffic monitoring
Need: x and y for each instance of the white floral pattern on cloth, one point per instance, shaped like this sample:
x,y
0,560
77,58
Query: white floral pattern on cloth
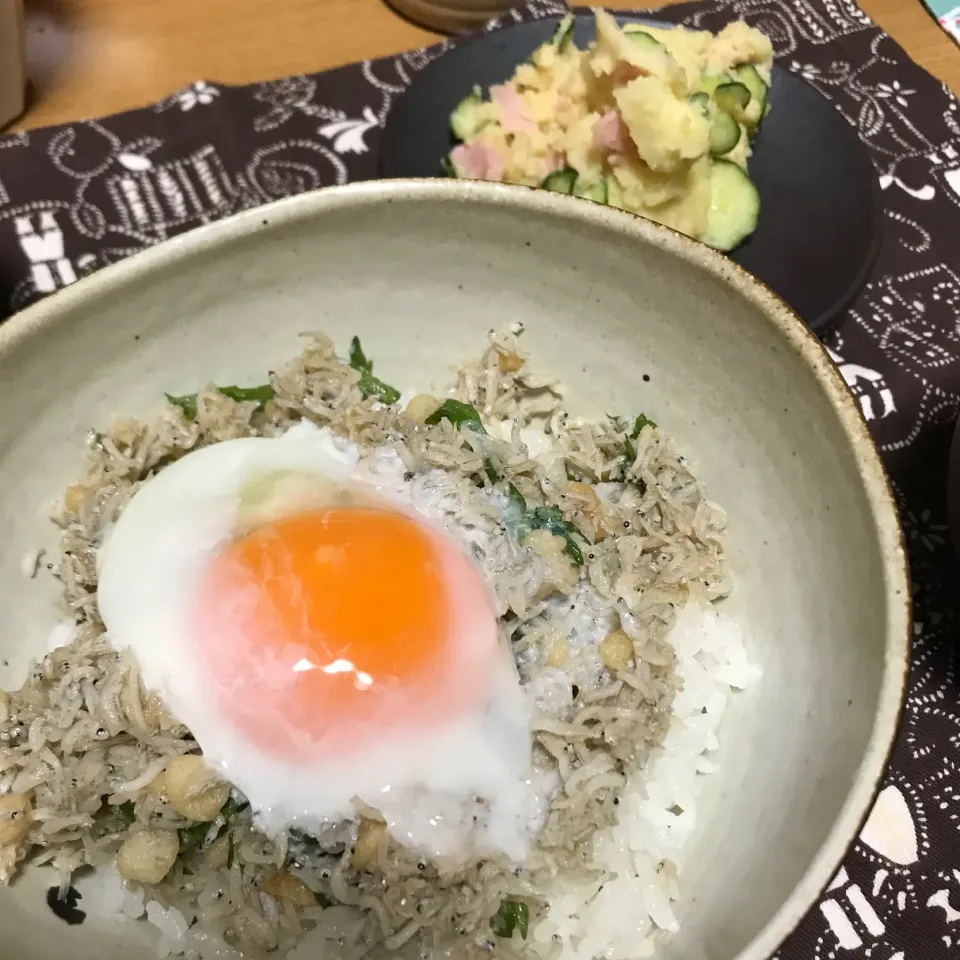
x,y
198,94
77,197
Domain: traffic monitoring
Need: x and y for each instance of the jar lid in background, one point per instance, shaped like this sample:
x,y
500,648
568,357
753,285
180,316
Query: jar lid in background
x,y
448,16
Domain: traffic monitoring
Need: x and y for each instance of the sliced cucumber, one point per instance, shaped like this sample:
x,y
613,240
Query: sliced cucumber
x,y
466,119
562,181
643,40
448,168
732,98
597,192
750,77
563,35
709,82
734,206
724,134
701,100
755,131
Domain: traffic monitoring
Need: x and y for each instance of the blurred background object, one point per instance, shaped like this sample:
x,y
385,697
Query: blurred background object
x,y
947,13
12,61
451,16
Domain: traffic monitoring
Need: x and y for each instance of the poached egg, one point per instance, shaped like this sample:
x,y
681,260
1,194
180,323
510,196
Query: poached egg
x,y
327,639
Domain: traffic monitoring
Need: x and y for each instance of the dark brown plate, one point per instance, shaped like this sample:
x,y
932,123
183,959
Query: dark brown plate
x,y
821,216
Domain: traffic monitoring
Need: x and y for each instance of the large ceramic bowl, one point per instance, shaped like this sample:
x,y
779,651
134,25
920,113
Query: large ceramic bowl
x,y
421,271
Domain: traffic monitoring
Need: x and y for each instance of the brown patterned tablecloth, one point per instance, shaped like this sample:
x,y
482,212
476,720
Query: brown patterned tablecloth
x,y
76,197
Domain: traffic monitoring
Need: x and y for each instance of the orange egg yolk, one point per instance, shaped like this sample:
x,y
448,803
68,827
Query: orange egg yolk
x,y
328,624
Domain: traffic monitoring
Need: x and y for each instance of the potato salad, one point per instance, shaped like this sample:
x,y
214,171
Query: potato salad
x,y
657,121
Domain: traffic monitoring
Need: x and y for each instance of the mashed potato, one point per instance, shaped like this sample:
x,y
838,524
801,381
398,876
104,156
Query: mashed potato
x,y
655,121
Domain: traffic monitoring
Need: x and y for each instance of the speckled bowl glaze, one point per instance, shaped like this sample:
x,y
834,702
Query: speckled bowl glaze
x,y
421,270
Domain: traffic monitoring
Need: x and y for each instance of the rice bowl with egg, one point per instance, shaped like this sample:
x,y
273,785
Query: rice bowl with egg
x,y
561,820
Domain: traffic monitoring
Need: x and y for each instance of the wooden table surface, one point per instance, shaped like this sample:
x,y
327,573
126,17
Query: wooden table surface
x,y
87,58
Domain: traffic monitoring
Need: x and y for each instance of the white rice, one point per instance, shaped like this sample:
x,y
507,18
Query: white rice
x,y
618,916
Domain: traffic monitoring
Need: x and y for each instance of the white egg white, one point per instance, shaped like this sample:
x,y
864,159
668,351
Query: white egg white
x,y
427,783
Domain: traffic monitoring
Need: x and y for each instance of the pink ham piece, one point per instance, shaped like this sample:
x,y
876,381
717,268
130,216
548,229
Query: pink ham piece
x,y
610,133
477,161
513,110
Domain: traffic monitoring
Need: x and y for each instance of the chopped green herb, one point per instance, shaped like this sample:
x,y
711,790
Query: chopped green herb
x,y
620,425
323,901
194,836
460,414
493,475
370,386
550,518
259,395
642,421
358,359
232,807
304,839
227,812
231,852
512,915
191,837
187,403
517,498
543,518
125,812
